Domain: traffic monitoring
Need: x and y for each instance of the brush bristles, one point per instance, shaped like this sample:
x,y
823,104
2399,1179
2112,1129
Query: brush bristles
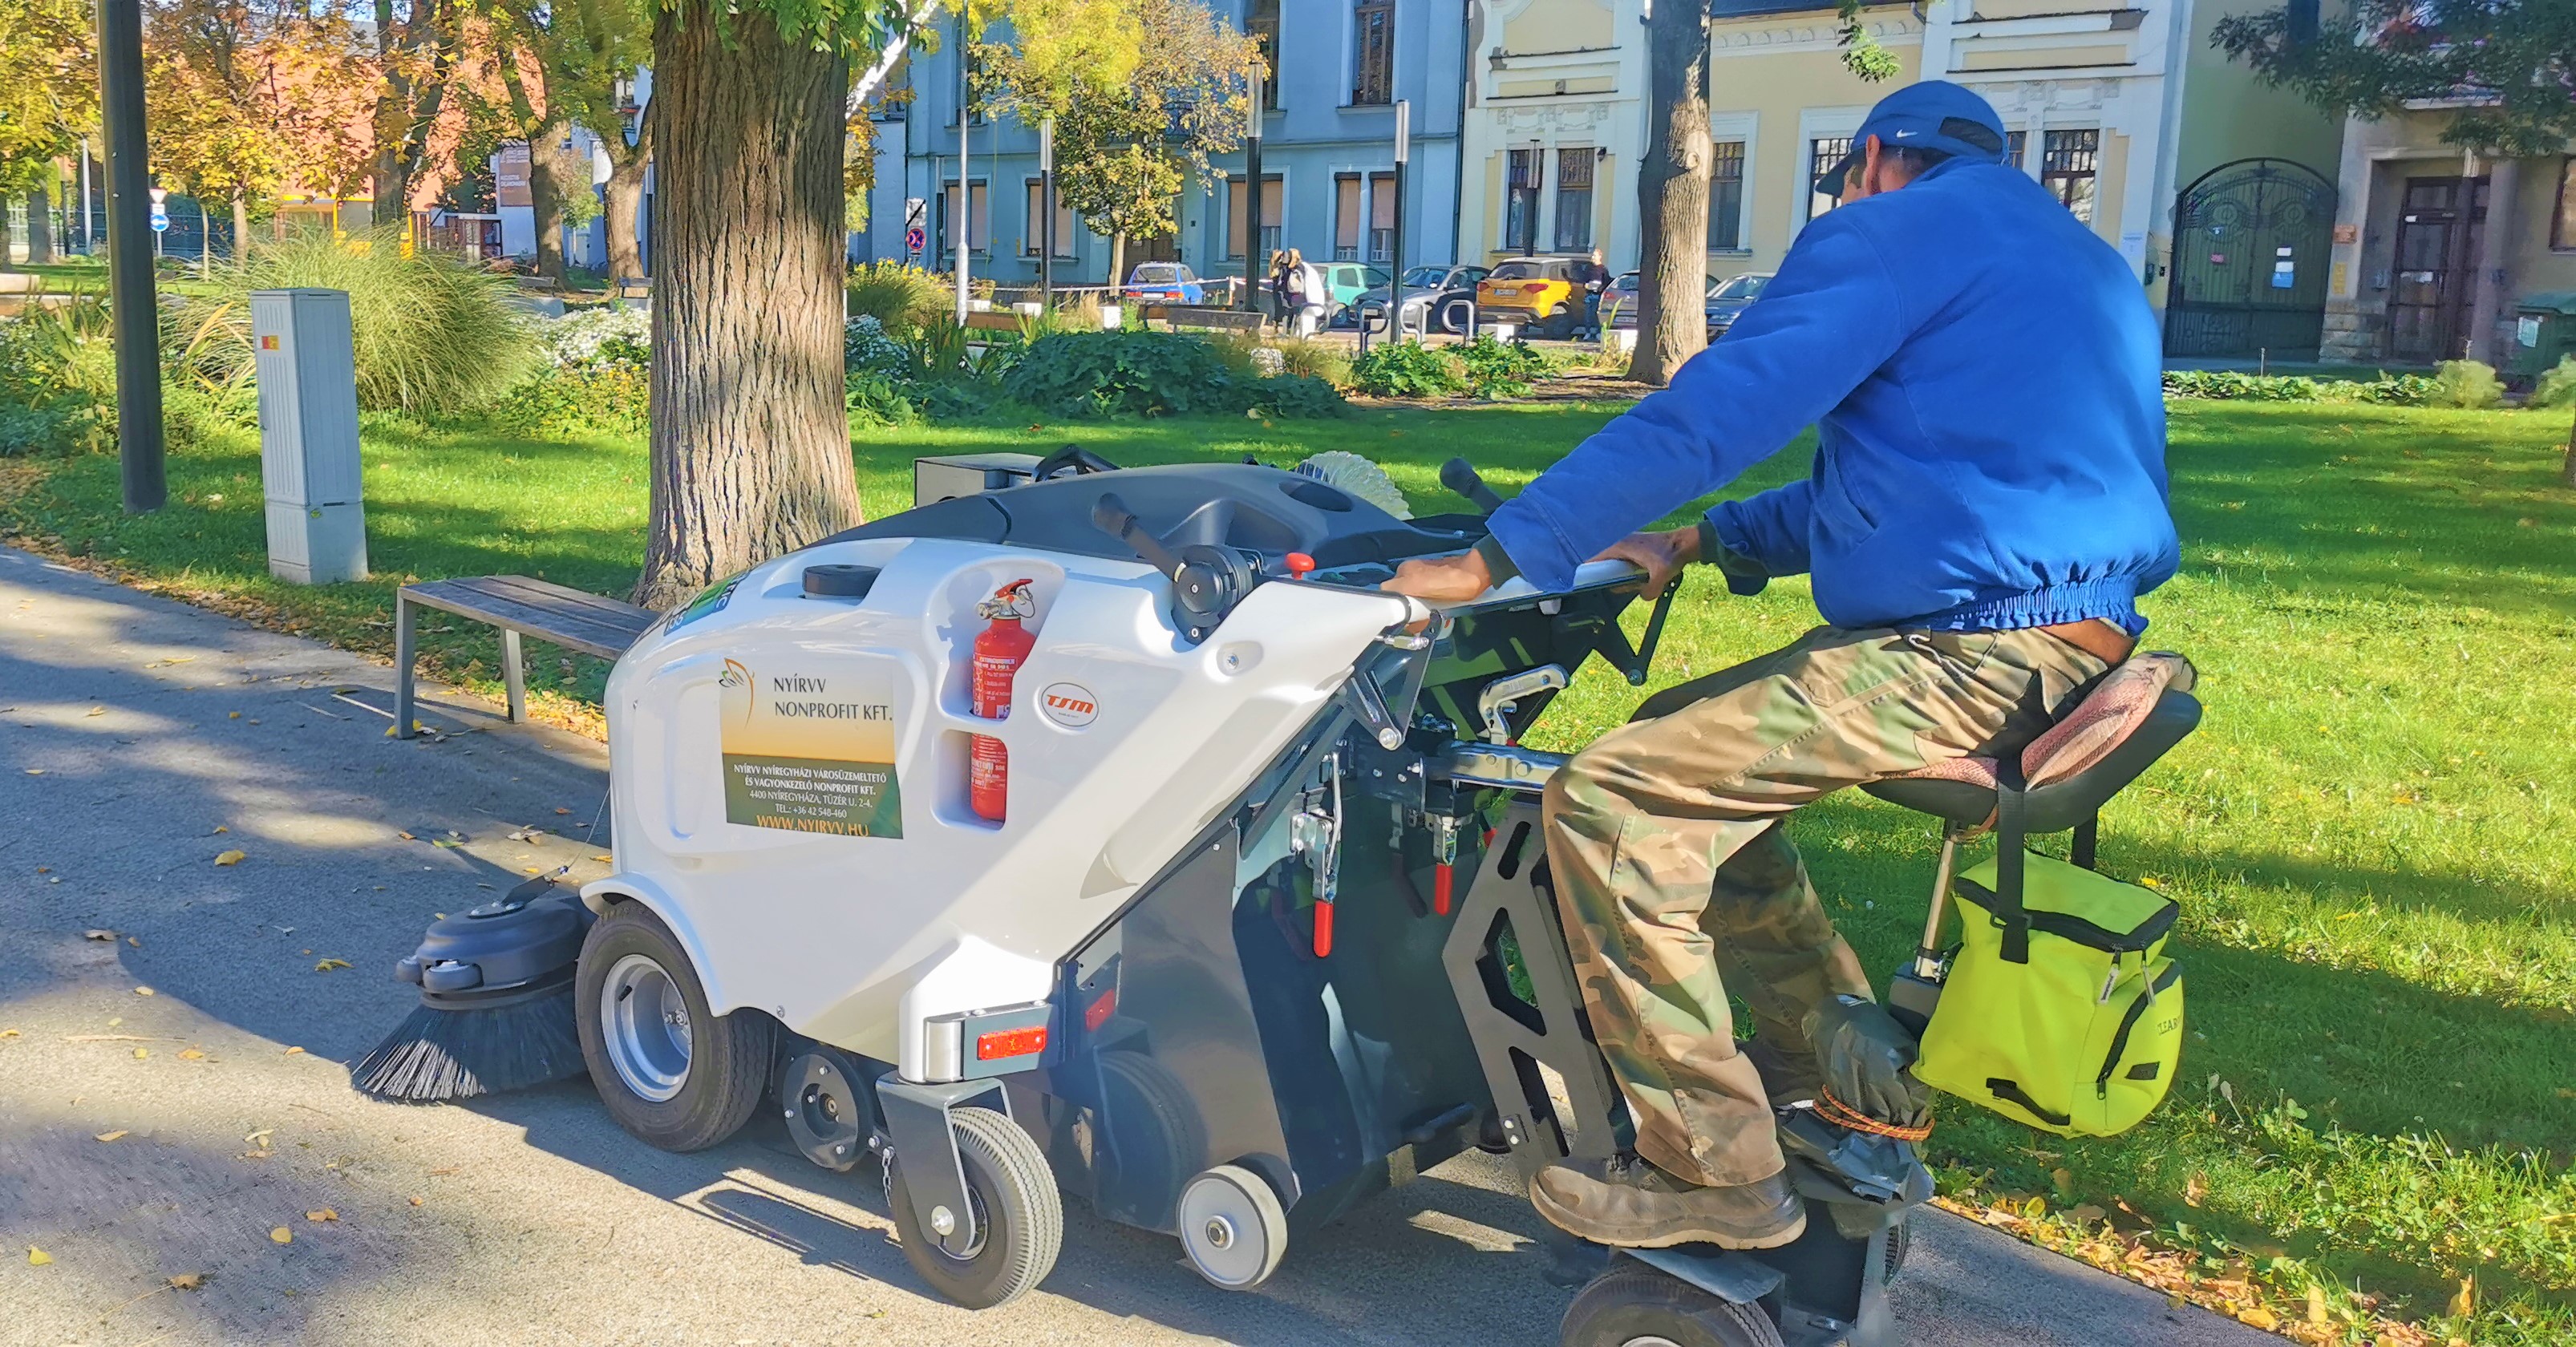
x,y
458,1054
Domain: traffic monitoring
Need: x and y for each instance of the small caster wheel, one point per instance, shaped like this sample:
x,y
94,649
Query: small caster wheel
x,y
827,1116
1233,1227
1019,1216
672,1073
1634,1304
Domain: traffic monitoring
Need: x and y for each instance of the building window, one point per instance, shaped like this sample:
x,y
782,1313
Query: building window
x,y
1822,154
979,219
2066,168
1381,240
1261,19
1272,195
2562,223
1520,202
1065,222
2017,151
1726,197
1373,51
1574,199
1346,217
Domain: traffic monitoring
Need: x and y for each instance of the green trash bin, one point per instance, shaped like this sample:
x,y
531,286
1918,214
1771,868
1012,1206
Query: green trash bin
x,y
2544,332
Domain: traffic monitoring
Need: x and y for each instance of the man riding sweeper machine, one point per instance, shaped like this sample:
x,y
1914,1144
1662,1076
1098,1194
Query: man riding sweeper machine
x,y
1111,834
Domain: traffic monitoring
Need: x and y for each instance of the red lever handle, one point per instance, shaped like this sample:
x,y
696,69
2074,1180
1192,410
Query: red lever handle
x,y
1323,930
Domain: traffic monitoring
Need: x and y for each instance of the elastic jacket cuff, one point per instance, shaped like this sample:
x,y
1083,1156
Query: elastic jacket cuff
x,y
1744,575
1498,562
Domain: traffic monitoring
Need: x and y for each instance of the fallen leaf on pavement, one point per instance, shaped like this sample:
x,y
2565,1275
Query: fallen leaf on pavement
x,y
260,1137
328,964
415,1201
561,810
115,1020
292,1051
231,857
406,837
141,1053
282,1235
35,771
604,860
190,1054
98,710
325,1214
188,1281
98,935
257,1155
37,1257
111,1136
143,991
443,1173
2259,1317
8,1033
444,842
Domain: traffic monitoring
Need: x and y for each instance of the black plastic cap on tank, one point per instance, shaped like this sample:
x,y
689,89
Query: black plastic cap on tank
x,y
839,580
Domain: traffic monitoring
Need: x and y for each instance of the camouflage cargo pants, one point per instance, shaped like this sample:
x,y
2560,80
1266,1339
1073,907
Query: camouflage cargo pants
x,y
1671,862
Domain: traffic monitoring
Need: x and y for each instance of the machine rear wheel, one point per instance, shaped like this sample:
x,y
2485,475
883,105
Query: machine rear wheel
x,y
1633,1305
1233,1227
671,1072
1019,1216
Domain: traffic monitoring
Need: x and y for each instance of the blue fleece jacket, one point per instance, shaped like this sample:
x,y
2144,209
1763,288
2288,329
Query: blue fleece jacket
x,y
1985,380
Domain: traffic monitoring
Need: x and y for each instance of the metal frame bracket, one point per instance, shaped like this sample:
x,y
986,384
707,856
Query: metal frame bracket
x,y
916,1122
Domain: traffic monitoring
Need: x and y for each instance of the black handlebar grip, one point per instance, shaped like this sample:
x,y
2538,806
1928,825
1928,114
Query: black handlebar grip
x,y
1460,476
1071,456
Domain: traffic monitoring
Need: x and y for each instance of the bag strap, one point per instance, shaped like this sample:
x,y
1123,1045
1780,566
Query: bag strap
x,y
2011,838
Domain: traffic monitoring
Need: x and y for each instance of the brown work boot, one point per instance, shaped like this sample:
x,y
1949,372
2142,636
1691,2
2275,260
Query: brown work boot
x,y
1626,1201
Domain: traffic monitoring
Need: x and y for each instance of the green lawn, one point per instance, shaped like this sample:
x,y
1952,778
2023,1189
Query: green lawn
x,y
2371,837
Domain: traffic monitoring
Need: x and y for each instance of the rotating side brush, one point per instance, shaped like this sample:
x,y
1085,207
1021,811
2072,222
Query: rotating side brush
x,y
496,1002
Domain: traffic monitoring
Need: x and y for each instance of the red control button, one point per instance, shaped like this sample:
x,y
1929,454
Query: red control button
x,y
1299,563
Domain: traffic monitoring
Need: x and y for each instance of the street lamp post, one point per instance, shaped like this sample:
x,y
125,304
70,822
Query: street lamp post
x,y
1046,207
965,214
1252,200
136,311
1538,168
1395,245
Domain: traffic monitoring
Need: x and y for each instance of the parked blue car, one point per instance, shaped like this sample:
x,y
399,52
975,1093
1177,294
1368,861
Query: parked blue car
x,y
1163,283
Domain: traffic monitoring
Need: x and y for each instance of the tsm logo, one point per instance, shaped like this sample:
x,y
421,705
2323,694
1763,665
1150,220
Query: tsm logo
x,y
1068,704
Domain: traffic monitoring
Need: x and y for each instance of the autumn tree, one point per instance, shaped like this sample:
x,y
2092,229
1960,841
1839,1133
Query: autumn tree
x,y
2506,69
1144,93
251,97
556,67
1672,193
48,99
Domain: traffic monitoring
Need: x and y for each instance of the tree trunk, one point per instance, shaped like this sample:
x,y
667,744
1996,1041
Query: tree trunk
x,y
391,186
750,441
624,193
2567,471
548,179
1117,263
241,229
1672,194
7,246
40,227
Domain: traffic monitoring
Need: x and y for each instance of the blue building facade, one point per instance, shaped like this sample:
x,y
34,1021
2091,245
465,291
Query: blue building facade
x,y
1327,162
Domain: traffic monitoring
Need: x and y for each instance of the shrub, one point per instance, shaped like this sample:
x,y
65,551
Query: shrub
x,y
866,347
2466,383
598,338
1296,396
612,397
1308,359
435,334
2556,387
2404,390
904,299
878,398
58,378
1130,373
1402,369
1502,369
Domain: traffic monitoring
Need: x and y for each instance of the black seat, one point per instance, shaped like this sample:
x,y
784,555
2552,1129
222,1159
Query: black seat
x,y
1965,794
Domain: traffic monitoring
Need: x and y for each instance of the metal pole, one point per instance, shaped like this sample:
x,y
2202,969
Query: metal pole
x,y
965,189
1252,203
1538,191
129,274
1046,207
1395,245
89,240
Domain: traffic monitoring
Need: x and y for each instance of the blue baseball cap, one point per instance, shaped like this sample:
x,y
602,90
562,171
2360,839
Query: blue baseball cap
x,y
1933,115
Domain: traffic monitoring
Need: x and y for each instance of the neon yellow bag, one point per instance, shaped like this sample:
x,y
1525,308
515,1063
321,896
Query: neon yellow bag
x,y
2061,1010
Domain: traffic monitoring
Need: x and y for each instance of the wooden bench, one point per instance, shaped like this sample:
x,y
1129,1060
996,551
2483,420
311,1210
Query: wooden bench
x,y
1212,320
518,606
544,283
992,320
634,287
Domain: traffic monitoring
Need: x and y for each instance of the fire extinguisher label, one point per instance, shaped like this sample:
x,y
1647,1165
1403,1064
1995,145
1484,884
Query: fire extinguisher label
x,y
811,748
1068,704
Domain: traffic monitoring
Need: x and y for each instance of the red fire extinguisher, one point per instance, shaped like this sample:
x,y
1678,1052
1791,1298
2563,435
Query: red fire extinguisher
x,y
1000,649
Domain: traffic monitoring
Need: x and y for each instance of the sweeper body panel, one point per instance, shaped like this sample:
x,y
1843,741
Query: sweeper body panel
x,y
794,773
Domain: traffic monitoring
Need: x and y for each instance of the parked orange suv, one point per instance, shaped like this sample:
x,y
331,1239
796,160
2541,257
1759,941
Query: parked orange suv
x,y
1539,293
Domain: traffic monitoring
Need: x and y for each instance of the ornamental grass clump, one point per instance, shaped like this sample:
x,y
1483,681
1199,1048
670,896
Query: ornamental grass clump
x,y
2467,383
435,334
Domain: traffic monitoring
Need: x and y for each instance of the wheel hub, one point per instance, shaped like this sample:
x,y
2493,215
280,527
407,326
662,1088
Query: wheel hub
x,y
644,1026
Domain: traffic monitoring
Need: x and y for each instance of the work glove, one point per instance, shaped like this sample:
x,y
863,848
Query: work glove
x,y
1866,1056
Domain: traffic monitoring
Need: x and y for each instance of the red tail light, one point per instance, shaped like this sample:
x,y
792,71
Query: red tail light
x,y
1003,1043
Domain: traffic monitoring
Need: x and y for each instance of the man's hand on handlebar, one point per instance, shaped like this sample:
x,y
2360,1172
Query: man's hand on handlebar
x,y
1660,553
1455,579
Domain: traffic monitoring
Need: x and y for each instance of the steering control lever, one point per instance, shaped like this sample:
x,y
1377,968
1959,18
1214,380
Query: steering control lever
x,y
1207,581
1460,476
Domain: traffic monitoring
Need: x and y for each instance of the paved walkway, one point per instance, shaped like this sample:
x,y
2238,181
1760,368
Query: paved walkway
x,y
139,739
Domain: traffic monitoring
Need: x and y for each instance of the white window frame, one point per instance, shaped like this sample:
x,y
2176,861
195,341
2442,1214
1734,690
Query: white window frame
x,y
1746,127
1816,124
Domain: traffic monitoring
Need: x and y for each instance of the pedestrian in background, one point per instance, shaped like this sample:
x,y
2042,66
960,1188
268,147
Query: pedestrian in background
x,y
1593,274
1279,272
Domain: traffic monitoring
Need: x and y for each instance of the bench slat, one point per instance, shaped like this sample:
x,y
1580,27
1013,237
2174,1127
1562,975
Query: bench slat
x,y
550,612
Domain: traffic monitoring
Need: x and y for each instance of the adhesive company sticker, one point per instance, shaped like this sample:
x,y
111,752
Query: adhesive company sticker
x,y
811,747
1068,704
710,600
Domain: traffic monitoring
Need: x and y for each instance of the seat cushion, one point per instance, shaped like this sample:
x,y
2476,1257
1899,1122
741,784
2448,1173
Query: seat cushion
x,y
2138,711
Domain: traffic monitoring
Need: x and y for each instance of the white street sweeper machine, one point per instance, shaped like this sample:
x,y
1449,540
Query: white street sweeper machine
x,y
1108,832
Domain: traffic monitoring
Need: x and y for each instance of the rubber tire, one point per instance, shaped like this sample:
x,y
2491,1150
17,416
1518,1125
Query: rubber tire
x,y
1023,1215
1559,325
1273,1219
729,1057
1900,1241
1633,1301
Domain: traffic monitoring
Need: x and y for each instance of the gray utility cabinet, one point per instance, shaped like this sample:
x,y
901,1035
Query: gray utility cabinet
x,y
308,435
